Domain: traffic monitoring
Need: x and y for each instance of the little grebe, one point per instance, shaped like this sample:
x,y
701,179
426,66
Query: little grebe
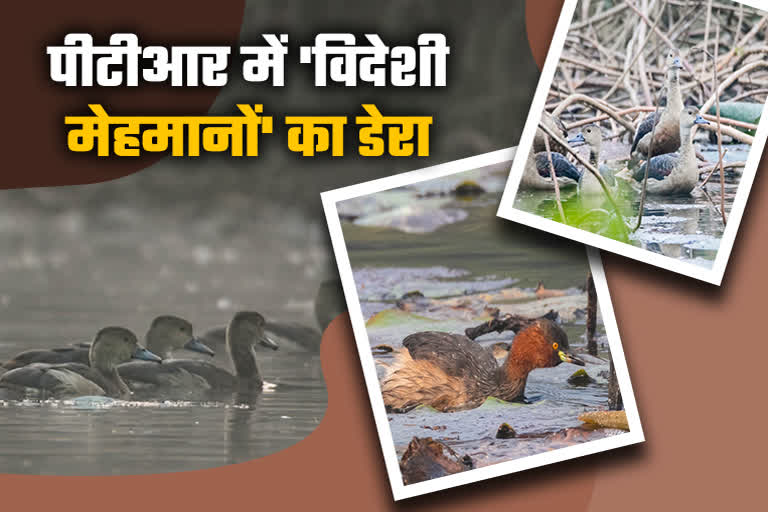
x,y
450,372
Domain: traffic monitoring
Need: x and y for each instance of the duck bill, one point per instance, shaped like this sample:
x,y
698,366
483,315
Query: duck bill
x,y
578,139
268,342
146,355
195,345
700,120
570,358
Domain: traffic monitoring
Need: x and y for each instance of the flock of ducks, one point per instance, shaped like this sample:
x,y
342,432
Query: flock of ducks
x,y
116,365
672,167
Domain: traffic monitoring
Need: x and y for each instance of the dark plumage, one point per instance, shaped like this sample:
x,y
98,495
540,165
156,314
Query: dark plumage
x,y
660,167
644,128
563,168
112,346
60,355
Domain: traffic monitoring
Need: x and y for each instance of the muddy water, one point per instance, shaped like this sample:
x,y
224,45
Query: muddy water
x,y
74,259
480,253
687,228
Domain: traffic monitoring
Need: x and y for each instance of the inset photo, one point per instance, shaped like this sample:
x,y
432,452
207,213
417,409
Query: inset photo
x,y
646,130
487,347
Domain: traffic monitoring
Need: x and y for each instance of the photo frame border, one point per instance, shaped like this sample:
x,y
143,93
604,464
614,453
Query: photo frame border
x,y
507,209
399,490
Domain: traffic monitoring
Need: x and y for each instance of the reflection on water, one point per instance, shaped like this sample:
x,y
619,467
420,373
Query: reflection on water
x,y
683,227
478,254
164,241
152,437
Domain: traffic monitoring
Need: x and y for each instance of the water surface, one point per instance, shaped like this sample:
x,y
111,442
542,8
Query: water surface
x,y
163,241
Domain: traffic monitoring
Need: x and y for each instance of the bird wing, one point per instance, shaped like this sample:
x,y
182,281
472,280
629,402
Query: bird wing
x,y
645,127
659,167
455,354
147,374
563,168
213,375
70,379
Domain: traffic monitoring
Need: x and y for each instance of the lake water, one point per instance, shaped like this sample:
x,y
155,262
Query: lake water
x,y
392,252
687,228
75,259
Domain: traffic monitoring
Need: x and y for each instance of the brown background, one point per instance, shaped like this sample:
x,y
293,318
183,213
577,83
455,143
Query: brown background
x,y
694,352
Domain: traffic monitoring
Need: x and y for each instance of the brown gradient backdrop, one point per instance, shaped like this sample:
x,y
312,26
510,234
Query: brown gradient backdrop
x,y
694,356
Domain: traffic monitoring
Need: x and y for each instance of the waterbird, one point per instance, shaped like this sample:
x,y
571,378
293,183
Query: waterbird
x,y
245,330
166,333
110,347
537,176
450,372
667,136
674,173
592,136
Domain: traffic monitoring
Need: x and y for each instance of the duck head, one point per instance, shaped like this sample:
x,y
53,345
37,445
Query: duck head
x,y
690,116
249,326
168,333
591,135
116,345
543,344
673,60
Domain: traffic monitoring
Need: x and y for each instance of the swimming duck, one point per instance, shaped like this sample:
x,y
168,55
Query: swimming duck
x,y
675,173
286,337
536,174
667,135
244,331
166,333
592,136
111,346
450,372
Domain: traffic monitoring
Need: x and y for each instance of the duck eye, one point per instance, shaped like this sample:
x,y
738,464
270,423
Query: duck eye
x,y
555,345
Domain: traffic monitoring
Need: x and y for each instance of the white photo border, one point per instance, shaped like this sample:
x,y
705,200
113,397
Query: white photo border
x,y
508,211
399,490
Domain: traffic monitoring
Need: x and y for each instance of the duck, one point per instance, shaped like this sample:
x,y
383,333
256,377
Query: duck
x,y
450,372
110,347
246,329
555,124
537,176
588,184
674,173
667,135
166,333
286,337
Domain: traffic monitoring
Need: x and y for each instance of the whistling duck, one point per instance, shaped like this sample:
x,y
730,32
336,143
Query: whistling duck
x,y
588,184
165,334
112,346
244,331
450,372
537,172
667,135
674,173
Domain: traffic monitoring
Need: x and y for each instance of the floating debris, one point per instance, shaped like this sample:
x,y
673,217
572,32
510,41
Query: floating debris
x,y
425,459
606,419
468,188
580,378
505,431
